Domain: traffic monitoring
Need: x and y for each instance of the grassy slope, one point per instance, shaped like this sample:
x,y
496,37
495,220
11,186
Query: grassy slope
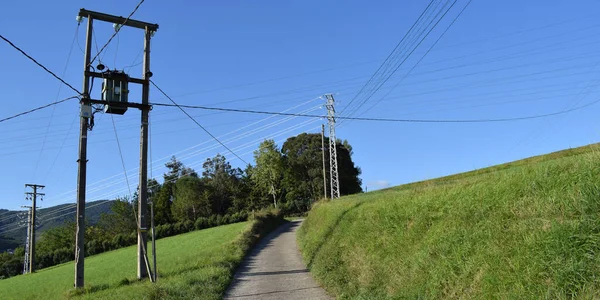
x,y
188,263
528,229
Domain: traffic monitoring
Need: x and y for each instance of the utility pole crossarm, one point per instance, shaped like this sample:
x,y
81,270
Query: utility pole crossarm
x,y
84,13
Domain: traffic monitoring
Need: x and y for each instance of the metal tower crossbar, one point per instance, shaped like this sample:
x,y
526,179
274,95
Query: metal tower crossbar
x,y
333,166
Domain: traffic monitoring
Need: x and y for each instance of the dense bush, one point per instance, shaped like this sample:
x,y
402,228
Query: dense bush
x,y
11,264
201,223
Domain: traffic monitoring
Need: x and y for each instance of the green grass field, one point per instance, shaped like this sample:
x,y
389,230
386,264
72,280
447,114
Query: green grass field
x,y
193,265
524,230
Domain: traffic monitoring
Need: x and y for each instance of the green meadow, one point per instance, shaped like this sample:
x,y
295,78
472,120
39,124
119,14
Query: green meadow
x,y
523,230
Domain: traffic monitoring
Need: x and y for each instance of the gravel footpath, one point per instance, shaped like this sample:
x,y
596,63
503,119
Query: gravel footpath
x,y
274,270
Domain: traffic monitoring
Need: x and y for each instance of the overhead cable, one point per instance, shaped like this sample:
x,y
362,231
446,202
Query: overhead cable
x,y
117,29
194,120
386,119
39,64
37,108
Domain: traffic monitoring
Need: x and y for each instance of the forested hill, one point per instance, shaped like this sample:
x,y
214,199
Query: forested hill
x,y
12,235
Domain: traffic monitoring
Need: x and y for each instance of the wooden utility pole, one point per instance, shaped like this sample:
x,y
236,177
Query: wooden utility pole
x,y
85,114
323,153
142,266
27,240
33,195
119,107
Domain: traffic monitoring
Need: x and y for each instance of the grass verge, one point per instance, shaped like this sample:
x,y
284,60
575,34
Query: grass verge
x,y
529,229
195,265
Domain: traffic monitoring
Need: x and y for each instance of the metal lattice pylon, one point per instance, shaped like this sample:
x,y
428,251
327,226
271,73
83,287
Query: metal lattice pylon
x,y
333,166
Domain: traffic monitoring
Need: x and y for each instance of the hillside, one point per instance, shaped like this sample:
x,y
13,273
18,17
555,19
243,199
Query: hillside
x,y
193,265
526,229
112,275
49,218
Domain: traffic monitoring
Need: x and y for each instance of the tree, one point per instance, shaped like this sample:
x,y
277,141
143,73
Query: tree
x,y
268,172
122,218
250,197
57,238
303,176
153,188
191,199
177,170
163,199
162,204
224,182
348,173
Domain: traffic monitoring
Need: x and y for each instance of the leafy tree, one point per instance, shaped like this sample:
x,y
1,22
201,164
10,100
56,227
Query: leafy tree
x,y
11,264
153,188
268,172
191,199
224,181
250,197
163,197
121,219
57,238
177,170
303,177
162,204
350,183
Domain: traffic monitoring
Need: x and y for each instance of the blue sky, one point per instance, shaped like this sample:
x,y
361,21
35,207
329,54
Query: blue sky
x,y
500,59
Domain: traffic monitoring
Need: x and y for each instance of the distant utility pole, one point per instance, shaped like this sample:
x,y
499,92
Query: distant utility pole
x,y
26,256
32,221
115,100
333,166
323,153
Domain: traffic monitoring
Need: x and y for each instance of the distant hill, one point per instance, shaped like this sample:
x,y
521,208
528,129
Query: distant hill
x,y
13,235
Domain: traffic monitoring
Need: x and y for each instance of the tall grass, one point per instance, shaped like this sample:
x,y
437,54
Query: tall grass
x,y
527,230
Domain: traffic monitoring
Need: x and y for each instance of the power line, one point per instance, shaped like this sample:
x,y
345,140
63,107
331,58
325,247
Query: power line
x,y
54,107
440,90
206,149
384,80
421,59
380,60
244,146
117,29
494,80
186,155
385,119
391,53
191,118
37,108
39,64
121,154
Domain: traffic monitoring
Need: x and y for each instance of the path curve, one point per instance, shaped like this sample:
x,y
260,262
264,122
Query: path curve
x,y
274,270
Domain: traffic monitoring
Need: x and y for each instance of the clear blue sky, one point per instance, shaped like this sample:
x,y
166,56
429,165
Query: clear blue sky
x,y
500,59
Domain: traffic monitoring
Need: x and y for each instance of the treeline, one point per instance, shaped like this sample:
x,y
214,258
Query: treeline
x,y
290,178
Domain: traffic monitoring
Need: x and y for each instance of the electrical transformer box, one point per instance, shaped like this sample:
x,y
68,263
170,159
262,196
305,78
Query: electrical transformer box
x,y
115,91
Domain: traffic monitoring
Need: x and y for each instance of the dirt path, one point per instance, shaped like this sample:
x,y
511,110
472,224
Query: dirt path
x,y
274,270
